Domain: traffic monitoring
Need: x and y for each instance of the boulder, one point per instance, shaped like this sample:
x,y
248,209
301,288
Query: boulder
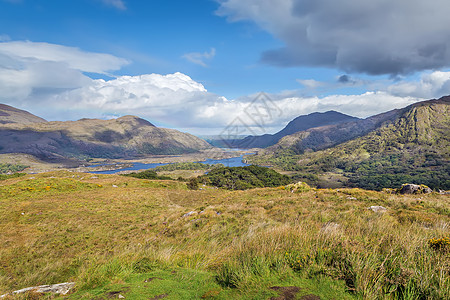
x,y
409,188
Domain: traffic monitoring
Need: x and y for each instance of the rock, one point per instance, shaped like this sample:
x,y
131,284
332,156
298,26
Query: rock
x,y
121,297
114,185
93,177
298,187
189,214
409,188
377,208
60,288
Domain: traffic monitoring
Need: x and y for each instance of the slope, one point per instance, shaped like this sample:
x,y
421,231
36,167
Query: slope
x,y
128,136
9,114
300,123
410,144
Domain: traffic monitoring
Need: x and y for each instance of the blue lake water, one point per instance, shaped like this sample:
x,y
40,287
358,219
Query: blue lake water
x,y
227,162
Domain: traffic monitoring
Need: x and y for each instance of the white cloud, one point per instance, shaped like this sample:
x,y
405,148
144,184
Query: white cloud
x,y
28,68
74,58
310,83
52,85
200,58
119,4
430,85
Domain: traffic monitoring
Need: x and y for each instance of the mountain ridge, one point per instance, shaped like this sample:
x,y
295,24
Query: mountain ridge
x,y
411,144
300,123
124,137
9,114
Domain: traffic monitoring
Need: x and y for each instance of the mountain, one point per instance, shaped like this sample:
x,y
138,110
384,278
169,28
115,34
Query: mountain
x,y
9,114
300,123
404,145
125,137
323,137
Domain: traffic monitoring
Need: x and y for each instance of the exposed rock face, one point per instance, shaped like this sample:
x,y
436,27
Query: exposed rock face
x,y
415,189
60,288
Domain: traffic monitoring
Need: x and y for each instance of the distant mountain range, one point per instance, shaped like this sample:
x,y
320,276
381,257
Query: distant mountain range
x,y
403,145
298,124
128,136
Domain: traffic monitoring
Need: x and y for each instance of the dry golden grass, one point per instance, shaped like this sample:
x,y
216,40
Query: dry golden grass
x,y
65,226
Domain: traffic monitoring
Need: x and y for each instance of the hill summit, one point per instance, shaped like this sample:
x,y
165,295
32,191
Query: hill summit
x,y
301,123
9,114
124,137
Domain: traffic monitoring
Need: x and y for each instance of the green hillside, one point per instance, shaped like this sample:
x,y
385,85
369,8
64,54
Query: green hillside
x,y
413,147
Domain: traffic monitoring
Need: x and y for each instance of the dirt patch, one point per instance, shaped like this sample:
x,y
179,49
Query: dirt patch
x,y
285,292
159,297
210,294
151,279
114,294
310,297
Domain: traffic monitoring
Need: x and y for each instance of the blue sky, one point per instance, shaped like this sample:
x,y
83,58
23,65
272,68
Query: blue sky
x,y
306,55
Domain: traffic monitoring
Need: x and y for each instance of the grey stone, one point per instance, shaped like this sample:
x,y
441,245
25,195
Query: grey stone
x,y
377,208
189,214
414,189
60,288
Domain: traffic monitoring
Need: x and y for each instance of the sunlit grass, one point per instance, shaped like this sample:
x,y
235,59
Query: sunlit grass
x,y
109,232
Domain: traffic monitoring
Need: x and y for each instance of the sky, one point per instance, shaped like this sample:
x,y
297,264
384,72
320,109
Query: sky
x,y
221,66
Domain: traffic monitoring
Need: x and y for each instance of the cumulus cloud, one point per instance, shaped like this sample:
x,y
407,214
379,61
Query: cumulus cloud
x,y
27,68
200,58
52,85
430,85
367,36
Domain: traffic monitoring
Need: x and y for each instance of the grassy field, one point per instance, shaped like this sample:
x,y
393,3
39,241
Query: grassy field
x,y
143,239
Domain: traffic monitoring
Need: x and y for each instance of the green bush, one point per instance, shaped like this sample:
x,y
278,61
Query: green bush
x,y
147,174
242,178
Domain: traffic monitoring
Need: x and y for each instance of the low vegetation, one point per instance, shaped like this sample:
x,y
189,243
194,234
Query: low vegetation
x,y
11,168
412,147
242,178
153,239
147,174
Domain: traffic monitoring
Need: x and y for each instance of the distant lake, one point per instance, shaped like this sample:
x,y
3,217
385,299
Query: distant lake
x,y
227,162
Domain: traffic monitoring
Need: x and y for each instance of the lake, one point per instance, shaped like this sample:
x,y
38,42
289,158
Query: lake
x,y
228,162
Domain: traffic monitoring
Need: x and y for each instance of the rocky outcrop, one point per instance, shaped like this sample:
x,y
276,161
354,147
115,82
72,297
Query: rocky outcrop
x,y
414,189
60,288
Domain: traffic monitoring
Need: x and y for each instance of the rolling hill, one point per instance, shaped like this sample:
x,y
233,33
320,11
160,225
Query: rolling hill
x,y
125,137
